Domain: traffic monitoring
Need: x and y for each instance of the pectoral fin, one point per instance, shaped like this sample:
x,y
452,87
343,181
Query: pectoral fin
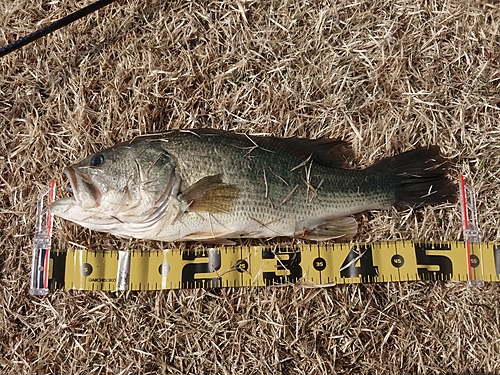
x,y
341,227
210,194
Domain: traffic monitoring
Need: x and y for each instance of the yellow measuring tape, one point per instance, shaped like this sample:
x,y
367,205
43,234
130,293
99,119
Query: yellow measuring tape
x,y
237,266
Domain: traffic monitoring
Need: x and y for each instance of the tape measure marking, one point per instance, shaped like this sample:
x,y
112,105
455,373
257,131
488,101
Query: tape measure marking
x,y
315,264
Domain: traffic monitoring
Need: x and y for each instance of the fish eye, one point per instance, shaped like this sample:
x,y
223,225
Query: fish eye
x,y
97,160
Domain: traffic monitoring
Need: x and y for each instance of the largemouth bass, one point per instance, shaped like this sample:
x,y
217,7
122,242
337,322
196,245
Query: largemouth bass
x,y
211,185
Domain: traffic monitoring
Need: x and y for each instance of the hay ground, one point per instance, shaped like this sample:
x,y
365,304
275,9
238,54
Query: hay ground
x,y
386,75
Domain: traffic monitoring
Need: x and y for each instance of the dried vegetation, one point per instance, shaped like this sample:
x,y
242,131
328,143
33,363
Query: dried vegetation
x,y
387,75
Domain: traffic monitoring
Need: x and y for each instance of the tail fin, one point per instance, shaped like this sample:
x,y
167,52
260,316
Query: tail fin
x,y
421,177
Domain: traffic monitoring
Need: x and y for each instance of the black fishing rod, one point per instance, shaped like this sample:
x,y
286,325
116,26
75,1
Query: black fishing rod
x,y
53,26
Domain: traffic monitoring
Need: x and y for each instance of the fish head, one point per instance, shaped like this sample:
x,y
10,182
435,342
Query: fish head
x,y
127,183
106,179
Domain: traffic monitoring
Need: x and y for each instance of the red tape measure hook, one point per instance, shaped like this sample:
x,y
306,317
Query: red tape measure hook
x,y
472,233
42,243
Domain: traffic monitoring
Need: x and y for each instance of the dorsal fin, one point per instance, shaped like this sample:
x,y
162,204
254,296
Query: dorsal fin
x,y
330,152
335,153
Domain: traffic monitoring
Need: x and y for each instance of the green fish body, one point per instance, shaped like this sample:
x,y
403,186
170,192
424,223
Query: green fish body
x,y
212,185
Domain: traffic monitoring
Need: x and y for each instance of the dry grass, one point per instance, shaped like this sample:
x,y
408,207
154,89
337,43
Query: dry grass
x,y
386,75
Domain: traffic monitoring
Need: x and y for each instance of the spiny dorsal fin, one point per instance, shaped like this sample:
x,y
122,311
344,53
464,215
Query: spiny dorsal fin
x,y
210,194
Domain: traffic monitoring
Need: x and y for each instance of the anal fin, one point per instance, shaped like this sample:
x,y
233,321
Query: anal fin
x,y
341,227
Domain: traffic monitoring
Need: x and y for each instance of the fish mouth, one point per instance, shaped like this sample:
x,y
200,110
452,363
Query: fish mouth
x,y
84,190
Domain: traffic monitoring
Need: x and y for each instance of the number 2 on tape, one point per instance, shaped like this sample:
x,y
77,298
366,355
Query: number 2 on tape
x,y
213,264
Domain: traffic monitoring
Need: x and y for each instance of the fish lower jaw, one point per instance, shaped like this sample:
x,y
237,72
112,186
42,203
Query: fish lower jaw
x,y
62,205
